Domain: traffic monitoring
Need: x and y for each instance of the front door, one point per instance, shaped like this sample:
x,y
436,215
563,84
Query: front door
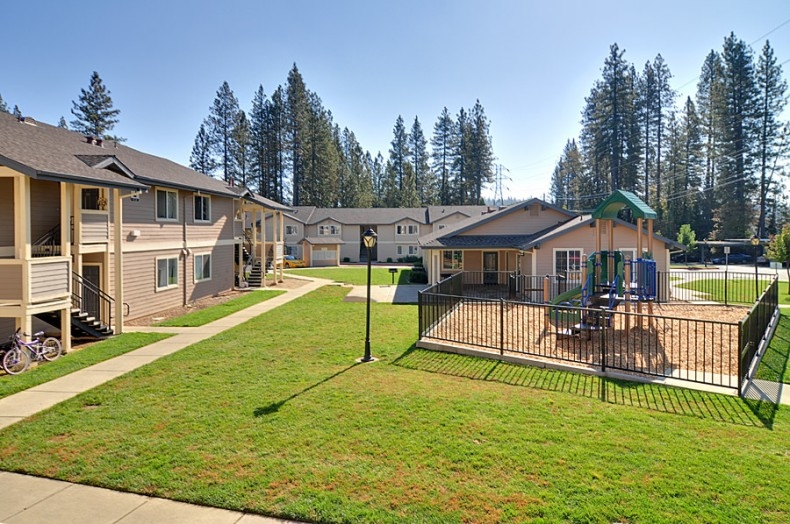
x,y
90,299
490,267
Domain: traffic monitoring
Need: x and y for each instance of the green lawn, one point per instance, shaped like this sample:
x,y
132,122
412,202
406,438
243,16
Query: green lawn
x,y
76,360
358,276
774,363
210,314
732,291
275,417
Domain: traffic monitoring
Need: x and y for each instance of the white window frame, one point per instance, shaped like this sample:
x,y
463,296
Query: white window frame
x,y
457,258
329,230
167,217
171,263
207,210
573,272
202,266
291,230
407,230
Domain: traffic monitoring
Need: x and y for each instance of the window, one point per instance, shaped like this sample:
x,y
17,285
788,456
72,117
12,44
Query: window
x,y
166,205
329,230
406,250
91,197
452,259
567,261
202,267
166,273
202,208
291,230
411,229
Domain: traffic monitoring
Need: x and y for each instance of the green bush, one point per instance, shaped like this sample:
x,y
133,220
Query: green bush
x,y
418,275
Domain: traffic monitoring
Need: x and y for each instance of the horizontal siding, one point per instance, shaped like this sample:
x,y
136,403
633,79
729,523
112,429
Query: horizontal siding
x,y
141,216
11,282
139,283
95,228
221,225
45,207
49,280
520,222
222,276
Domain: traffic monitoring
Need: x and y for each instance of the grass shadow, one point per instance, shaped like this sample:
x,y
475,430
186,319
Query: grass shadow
x,y
666,399
274,407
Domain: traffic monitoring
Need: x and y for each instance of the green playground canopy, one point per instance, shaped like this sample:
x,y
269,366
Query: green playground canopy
x,y
609,208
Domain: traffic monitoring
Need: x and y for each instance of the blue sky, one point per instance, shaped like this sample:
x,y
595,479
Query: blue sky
x,y
530,63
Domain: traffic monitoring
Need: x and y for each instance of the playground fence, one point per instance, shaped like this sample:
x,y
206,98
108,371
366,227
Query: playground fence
x,y
703,351
724,287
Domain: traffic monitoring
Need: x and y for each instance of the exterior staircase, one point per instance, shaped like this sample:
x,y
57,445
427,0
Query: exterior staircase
x,y
256,275
82,324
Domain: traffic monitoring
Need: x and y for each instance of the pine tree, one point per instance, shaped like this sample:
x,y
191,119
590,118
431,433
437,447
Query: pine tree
x,y
482,154
95,115
356,188
297,123
240,148
460,186
62,123
201,159
566,177
398,159
771,101
736,186
377,168
442,151
3,105
423,176
17,112
223,115
665,102
320,182
259,166
710,108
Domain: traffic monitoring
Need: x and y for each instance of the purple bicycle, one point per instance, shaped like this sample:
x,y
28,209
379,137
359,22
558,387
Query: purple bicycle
x,y
17,357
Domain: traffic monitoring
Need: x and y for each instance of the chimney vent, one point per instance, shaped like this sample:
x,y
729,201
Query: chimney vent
x,y
100,142
89,139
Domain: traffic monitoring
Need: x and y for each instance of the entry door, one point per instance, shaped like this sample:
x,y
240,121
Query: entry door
x,y
90,299
490,267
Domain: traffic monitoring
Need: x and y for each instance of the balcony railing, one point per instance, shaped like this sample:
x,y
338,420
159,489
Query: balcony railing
x,y
34,281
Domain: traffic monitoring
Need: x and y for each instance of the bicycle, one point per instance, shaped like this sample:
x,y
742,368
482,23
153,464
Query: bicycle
x,y
17,358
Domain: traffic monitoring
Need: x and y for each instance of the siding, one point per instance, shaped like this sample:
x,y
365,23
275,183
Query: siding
x,y
222,276
95,227
584,238
49,280
520,222
139,283
7,212
142,216
221,225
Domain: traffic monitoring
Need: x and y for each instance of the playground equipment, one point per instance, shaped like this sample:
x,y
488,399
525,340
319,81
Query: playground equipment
x,y
609,278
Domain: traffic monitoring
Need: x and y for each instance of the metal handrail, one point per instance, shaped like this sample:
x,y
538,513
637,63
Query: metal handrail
x,y
105,301
48,244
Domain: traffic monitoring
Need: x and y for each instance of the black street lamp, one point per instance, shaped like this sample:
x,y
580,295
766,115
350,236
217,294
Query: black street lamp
x,y
756,243
369,240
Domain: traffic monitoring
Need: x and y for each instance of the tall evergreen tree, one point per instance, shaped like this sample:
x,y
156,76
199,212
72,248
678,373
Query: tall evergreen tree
x,y
320,183
481,154
201,159
297,125
3,105
442,153
665,103
423,176
771,101
17,112
399,152
567,176
240,148
276,144
94,113
62,123
710,108
736,186
461,159
377,167
223,116
259,168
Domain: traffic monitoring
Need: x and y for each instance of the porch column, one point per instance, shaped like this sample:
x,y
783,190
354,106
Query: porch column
x,y
118,269
639,238
66,200
240,257
262,214
281,241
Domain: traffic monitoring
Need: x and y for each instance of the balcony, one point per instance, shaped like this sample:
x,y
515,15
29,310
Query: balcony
x,y
41,280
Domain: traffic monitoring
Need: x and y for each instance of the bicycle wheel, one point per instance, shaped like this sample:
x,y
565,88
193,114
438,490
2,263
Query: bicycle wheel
x,y
15,361
51,348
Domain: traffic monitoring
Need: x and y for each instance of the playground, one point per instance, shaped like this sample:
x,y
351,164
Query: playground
x,y
620,317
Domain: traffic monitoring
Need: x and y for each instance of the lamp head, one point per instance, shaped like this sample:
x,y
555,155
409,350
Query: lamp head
x,y
369,238
755,241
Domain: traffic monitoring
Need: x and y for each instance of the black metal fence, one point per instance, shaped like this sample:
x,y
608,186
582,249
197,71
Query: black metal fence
x,y
725,287
661,345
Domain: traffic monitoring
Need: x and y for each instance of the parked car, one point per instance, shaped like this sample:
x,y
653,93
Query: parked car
x,y
735,258
291,261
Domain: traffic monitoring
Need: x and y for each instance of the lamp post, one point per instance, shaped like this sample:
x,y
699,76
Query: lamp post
x,y
369,239
756,243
